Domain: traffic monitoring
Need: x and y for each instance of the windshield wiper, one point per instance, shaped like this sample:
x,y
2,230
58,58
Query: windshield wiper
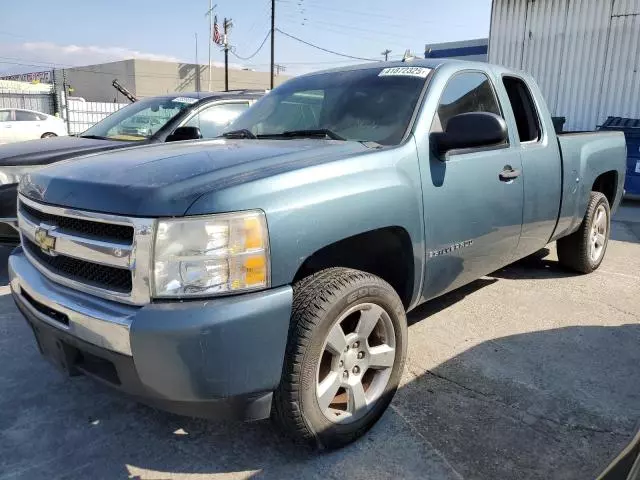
x,y
95,137
242,133
317,132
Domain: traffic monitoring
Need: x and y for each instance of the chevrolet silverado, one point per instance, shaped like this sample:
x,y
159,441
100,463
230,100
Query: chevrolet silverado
x,y
268,272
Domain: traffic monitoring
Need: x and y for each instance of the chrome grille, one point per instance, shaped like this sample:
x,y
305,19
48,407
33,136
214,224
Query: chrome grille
x,y
108,231
101,276
106,255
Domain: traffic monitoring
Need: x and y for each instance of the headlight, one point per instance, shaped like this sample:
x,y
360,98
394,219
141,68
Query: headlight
x,y
10,175
204,256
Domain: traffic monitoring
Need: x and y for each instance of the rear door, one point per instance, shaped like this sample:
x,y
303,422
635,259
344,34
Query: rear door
x,y
473,217
541,164
6,126
27,125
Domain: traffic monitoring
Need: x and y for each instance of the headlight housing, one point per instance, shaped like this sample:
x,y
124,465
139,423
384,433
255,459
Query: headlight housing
x,y
211,255
10,175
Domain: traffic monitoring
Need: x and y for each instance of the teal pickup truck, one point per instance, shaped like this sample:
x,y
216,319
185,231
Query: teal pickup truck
x,y
268,272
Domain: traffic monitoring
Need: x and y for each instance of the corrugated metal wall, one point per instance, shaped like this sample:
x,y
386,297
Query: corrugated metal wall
x,y
583,53
621,92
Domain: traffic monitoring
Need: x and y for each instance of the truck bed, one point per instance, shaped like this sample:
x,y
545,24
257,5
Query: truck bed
x,y
587,156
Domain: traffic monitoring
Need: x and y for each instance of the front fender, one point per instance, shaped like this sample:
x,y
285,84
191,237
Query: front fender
x,y
313,207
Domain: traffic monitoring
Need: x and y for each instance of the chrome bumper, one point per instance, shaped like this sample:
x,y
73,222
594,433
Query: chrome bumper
x,y
101,322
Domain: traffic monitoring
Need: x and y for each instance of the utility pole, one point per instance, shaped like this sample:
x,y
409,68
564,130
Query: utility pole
x,y
386,54
273,28
65,89
197,65
227,26
210,15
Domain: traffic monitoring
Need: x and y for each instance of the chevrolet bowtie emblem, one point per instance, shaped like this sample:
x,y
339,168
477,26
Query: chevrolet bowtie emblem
x,y
45,241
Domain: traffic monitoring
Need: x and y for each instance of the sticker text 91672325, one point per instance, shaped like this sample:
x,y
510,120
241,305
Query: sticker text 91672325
x,y
420,72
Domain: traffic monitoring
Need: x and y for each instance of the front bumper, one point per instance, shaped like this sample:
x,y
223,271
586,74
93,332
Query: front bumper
x,y
204,358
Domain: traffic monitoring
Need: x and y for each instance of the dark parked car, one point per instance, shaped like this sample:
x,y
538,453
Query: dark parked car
x,y
150,120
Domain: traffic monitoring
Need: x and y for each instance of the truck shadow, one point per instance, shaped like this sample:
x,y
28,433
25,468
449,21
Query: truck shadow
x,y
534,267
547,404
558,403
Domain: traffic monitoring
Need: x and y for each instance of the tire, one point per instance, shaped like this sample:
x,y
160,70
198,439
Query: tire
x,y
578,251
48,135
321,306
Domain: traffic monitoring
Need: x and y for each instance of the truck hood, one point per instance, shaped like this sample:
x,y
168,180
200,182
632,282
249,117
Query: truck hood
x,y
165,179
43,152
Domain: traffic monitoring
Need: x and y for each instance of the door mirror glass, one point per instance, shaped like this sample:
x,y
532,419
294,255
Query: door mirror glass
x,y
470,130
184,133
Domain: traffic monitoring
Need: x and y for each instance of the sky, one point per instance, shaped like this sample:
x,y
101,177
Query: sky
x,y
37,34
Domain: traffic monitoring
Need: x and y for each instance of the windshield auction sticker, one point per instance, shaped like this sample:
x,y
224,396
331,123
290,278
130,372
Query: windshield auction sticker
x,y
421,72
187,100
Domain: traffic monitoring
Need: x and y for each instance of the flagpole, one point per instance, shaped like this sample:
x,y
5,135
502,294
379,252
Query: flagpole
x,y
210,40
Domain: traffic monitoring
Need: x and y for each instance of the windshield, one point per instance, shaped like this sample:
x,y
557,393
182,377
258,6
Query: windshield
x,y
369,105
140,120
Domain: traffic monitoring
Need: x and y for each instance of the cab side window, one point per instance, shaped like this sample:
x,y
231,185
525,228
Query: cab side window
x,y
213,120
5,115
466,92
24,116
524,109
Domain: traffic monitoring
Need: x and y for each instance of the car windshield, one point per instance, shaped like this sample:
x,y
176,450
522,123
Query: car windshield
x,y
367,105
140,120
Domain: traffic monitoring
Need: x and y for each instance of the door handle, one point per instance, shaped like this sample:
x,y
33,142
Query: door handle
x,y
508,174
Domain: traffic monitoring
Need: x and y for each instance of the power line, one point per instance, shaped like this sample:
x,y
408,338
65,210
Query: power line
x,y
376,38
324,49
400,21
350,28
254,53
332,62
261,15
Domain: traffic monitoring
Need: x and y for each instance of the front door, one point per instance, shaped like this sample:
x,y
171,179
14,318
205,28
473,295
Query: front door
x,y
473,214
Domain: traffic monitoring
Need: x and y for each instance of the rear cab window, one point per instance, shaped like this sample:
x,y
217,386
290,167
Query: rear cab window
x,y
524,109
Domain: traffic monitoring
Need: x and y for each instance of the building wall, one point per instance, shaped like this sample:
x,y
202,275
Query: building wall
x,y
93,82
474,50
156,78
146,78
583,53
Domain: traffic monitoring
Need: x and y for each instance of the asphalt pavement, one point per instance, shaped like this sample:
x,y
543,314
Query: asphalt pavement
x,y
529,373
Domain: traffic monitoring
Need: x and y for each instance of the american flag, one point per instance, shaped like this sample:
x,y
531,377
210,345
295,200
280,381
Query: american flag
x,y
216,32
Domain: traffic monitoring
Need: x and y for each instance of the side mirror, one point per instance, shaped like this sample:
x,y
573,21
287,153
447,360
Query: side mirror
x,y
184,133
470,130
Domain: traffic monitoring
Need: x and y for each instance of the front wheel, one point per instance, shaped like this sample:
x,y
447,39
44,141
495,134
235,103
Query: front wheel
x,y
345,354
584,249
48,135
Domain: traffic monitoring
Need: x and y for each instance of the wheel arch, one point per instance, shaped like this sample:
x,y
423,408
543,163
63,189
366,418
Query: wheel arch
x,y
385,252
607,184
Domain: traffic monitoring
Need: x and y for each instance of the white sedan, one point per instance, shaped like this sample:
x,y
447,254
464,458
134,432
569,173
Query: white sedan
x,y
17,125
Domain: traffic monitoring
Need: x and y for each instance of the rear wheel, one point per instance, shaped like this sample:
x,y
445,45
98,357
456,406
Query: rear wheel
x,y
48,135
584,249
345,354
